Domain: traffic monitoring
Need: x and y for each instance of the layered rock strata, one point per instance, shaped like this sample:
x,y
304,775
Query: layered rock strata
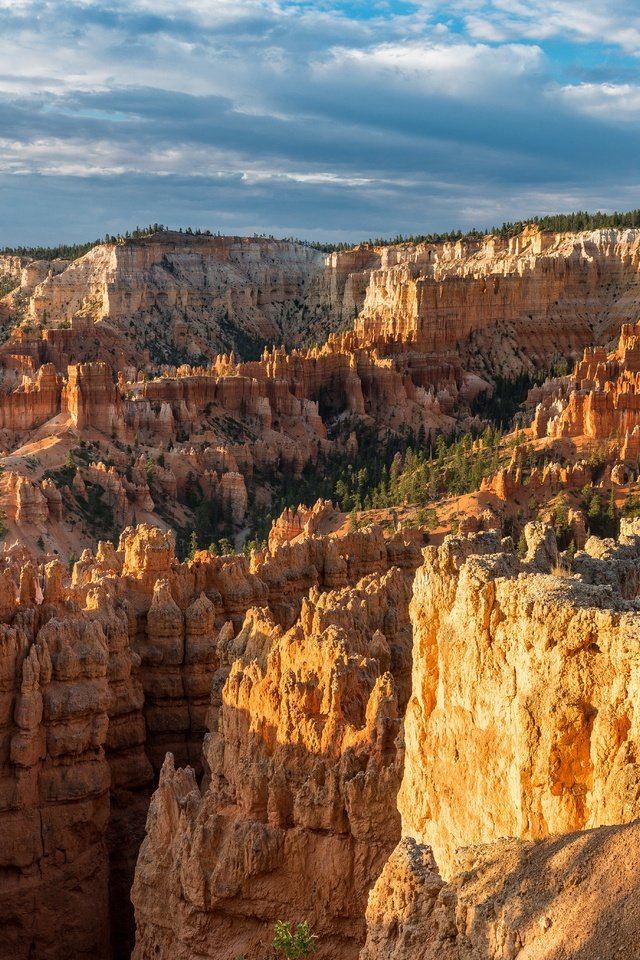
x,y
72,729
296,816
100,676
599,402
503,305
168,294
234,428
498,305
521,724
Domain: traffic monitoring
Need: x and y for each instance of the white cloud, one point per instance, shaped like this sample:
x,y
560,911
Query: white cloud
x,y
460,70
445,111
606,101
616,22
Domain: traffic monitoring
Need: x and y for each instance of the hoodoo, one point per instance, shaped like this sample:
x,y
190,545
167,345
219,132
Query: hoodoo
x,y
319,599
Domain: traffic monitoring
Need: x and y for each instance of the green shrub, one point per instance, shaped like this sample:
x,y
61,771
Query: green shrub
x,y
294,943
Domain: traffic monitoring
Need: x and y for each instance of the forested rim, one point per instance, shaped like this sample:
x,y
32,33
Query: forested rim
x,y
554,223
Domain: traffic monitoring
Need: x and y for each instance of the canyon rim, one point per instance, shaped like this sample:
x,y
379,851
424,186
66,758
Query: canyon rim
x,y
337,631
320,494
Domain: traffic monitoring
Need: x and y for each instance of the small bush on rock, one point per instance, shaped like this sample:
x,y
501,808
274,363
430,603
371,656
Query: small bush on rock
x,y
294,943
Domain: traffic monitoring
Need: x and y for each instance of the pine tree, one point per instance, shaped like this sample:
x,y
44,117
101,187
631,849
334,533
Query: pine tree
x,y
193,544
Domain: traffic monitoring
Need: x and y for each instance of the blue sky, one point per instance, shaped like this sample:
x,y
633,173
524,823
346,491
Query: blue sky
x,y
314,118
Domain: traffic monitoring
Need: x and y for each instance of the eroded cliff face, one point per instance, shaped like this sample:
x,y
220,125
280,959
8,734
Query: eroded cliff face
x,y
72,730
104,672
600,401
296,815
503,306
94,363
522,723
536,675
574,896
500,306
173,294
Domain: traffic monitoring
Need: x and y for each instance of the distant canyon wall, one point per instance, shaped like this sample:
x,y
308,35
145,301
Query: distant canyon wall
x,y
500,306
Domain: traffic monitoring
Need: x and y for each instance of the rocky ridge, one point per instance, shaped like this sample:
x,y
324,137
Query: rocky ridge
x,y
101,676
524,683
167,294
519,723
295,816
503,305
281,679
599,402
74,369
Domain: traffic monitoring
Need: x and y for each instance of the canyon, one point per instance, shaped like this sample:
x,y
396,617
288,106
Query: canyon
x,y
107,671
132,379
414,726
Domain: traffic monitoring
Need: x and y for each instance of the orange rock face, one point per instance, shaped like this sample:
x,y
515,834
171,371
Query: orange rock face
x,y
91,397
72,729
302,522
522,705
492,299
541,658
103,674
574,895
296,816
600,401
33,401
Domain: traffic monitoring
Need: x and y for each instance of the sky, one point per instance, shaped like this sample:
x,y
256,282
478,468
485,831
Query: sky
x,y
311,118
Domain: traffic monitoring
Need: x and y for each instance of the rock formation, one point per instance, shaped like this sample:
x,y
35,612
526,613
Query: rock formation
x,y
98,348
523,688
503,304
142,391
600,401
32,402
170,294
72,727
296,816
103,673
569,896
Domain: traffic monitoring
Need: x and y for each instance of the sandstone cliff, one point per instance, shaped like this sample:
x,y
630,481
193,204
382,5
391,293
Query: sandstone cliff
x,y
72,730
171,294
496,305
600,401
296,815
521,724
503,306
103,672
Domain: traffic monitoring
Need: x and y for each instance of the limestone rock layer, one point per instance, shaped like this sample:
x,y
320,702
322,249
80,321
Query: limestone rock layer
x,y
105,671
296,815
522,723
192,296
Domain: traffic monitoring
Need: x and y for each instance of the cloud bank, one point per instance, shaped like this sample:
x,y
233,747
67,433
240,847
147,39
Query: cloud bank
x,y
322,120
